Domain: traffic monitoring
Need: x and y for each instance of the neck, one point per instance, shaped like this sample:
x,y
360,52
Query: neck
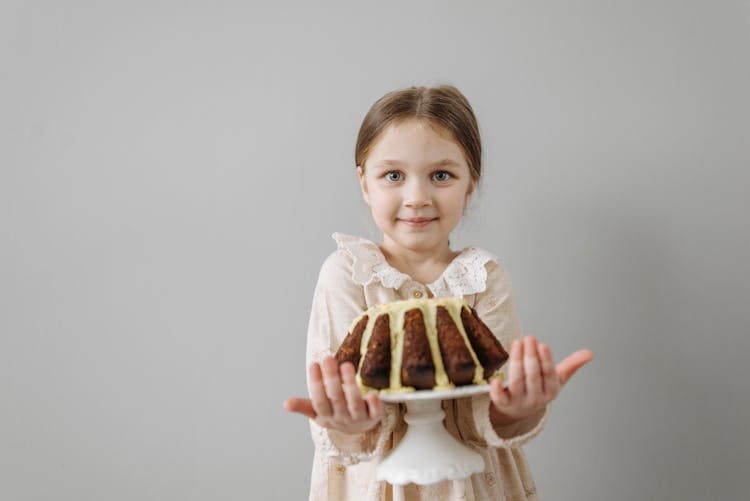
x,y
423,265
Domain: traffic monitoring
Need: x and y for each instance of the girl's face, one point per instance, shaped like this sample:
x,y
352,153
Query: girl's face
x,y
417,184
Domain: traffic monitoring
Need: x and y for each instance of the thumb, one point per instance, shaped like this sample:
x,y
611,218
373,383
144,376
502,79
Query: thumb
x,y
499,395
301,406
572,363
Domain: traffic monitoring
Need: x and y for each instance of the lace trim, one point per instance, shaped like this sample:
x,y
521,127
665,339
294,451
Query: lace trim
x,y
465,275
369,262
481,411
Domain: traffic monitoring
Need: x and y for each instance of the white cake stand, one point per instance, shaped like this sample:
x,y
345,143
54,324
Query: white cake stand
x,y
428,453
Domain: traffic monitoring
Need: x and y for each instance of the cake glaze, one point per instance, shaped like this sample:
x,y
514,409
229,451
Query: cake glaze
x,y
419,344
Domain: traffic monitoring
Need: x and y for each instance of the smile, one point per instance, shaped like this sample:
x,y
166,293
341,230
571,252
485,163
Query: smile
x,y
418,222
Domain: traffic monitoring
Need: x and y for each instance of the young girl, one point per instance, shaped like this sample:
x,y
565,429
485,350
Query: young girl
x,y
418,158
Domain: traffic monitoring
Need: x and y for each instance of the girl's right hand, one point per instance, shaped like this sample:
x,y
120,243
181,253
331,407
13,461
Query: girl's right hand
x,y
335,401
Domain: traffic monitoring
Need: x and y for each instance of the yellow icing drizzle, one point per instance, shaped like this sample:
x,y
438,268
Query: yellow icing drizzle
x,y
396,312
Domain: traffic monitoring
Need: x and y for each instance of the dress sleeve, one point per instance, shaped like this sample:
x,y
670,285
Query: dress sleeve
x,y
337,301
496,308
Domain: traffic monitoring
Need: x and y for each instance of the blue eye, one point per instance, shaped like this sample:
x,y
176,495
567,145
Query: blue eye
x,y
393,176
442,175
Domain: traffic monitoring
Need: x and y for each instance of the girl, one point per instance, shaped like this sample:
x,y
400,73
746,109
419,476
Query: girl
x,y
418,161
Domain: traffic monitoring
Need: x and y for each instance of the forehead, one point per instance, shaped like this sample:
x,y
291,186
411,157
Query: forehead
x,y
414,142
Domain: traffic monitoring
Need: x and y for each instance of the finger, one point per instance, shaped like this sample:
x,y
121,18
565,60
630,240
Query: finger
x,y
354,402
572,363
317,392
332,384
375,407
532,368
551,383
498,394
300,406
516,383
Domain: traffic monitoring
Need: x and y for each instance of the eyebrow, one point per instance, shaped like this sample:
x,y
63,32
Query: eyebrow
x,y
446,162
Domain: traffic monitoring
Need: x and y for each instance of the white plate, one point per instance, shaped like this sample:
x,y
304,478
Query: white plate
x,y
461,391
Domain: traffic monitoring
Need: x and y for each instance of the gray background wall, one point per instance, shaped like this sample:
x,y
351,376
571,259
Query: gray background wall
x,y
170,174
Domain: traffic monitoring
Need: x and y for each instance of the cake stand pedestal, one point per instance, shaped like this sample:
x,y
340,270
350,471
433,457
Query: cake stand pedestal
x,y
428,453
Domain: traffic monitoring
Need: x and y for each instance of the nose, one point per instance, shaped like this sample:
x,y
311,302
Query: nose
x,y
417,195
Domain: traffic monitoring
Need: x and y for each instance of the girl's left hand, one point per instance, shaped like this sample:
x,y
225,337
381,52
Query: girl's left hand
x,y
533,380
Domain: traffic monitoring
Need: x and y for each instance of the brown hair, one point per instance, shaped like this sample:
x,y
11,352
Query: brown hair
x,y
443,107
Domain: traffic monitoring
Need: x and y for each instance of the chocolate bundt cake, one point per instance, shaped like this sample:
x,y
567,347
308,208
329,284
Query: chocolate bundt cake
x,y
421,344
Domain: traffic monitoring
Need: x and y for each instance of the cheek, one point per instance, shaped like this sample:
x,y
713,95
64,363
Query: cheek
x,y
453,203
383,195
383,202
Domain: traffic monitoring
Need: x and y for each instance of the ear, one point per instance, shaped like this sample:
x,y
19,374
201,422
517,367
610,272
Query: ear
x,y
363,184
470,191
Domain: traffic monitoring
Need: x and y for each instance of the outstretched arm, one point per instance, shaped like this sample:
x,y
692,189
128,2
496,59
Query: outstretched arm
x,y
533,380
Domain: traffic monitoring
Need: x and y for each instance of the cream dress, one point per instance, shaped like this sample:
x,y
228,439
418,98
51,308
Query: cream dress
x,y
357,276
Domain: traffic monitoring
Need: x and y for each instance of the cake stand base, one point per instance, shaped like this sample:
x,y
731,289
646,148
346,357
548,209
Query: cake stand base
x,y
427,453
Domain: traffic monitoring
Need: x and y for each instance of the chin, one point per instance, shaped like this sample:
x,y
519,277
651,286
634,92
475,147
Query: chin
x,y
418,241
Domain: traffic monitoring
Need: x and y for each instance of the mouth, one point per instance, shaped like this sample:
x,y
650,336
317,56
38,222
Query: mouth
x,y
418,222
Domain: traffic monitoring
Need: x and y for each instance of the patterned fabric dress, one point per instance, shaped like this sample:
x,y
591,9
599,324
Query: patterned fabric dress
x,y
357,276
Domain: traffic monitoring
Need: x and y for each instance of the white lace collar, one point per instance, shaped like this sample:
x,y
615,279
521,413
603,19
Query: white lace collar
x,y
465,275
